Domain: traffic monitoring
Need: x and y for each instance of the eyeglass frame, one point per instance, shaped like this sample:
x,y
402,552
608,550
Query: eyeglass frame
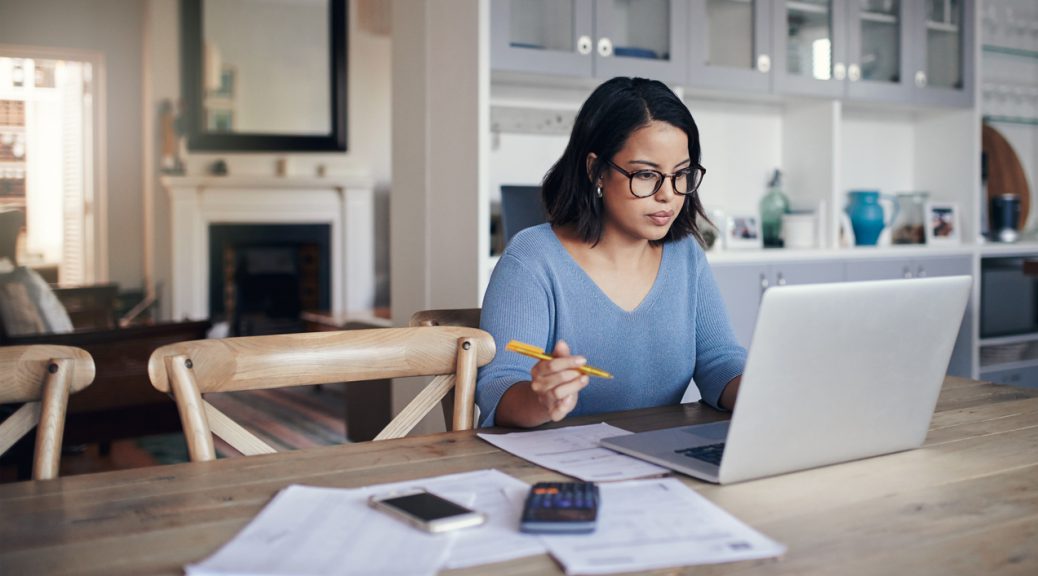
x,y
661,177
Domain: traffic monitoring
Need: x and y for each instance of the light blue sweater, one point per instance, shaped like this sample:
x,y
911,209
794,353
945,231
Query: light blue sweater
x,y
538,294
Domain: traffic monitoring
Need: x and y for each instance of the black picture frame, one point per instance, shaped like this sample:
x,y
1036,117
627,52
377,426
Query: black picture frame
x,y
201,140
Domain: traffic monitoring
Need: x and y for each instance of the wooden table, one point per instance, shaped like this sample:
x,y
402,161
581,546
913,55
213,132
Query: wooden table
x,y
965,503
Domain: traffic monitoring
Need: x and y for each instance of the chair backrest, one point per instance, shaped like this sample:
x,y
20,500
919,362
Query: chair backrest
x,y
189,369
42,376
468,317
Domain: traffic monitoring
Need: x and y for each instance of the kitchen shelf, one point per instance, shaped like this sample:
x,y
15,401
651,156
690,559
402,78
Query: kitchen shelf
x,y
1008,366
1010,51
807,8
879,17
1025,120
1001,340
942,27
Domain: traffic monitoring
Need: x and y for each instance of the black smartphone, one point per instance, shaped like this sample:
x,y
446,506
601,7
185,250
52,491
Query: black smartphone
x,y
426,511
560,508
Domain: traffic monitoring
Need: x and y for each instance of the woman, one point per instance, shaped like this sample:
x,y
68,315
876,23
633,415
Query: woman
x,y
616,274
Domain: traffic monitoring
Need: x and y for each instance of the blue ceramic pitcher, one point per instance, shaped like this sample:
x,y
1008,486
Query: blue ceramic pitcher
x,y
867,216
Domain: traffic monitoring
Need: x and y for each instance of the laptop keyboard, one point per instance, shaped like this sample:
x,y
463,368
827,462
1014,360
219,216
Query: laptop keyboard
x,y
710,453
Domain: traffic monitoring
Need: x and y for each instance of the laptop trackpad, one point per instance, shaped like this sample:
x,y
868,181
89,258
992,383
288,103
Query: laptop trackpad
x,y
707,433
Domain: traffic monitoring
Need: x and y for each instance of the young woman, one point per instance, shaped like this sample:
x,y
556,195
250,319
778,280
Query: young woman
x,y
616,277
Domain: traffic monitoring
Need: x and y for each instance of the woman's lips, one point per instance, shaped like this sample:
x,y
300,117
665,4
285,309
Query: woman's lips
x,y
661,218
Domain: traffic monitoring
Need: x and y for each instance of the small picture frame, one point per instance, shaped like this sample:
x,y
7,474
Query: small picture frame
x,y
742,231
942,223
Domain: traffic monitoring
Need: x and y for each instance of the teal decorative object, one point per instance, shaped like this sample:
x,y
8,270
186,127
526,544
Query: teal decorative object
x,y
867,216
772,206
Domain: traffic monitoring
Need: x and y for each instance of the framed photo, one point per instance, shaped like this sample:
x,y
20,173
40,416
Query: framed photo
x,y
742,231
942,223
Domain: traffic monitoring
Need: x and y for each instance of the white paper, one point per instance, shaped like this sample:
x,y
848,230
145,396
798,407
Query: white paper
x,y
309,530
574,451
658,523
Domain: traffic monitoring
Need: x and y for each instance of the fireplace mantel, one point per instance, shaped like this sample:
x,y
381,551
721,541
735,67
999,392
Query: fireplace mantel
x,y
345,202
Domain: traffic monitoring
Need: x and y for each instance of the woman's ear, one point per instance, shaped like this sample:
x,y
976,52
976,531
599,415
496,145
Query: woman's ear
x,y
592,159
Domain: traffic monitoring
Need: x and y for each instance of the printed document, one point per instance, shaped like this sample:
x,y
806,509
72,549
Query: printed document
x,y
574,451
311,530
658,523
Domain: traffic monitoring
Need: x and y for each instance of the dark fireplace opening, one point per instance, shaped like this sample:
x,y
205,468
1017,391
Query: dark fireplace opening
x,y
261,276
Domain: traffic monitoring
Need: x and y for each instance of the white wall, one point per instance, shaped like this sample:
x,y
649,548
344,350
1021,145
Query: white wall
x,y
113,28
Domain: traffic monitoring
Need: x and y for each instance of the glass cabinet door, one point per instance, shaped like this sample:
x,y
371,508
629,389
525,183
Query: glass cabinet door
x,y
730,44
878,47
810,54
645,38
943,68
542,36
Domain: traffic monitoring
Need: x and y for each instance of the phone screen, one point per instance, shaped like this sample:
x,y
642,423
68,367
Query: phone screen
x,y
426,506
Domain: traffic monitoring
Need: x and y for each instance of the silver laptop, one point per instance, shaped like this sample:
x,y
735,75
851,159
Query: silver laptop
x,y
835,372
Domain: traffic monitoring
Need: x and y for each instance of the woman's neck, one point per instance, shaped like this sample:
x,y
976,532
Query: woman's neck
x,y
613,251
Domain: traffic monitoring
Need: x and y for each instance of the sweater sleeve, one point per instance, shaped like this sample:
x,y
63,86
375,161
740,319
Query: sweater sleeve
x,y
517,306
719,356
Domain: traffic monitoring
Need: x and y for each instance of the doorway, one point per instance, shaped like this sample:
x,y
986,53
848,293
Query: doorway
x,y
49,110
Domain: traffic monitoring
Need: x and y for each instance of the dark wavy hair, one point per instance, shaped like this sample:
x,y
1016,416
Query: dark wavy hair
x,y
610,115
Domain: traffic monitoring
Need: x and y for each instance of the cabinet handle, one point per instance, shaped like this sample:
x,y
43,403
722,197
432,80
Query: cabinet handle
x,y
920,79
920,272
906,272
839,71
605,47
763,63
781,280
854,72
584,45
763,283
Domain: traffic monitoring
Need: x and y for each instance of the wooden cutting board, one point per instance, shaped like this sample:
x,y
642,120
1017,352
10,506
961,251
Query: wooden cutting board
x,y
1005,173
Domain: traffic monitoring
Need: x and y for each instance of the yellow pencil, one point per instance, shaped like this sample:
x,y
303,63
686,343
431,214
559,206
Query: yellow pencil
x,y
535,352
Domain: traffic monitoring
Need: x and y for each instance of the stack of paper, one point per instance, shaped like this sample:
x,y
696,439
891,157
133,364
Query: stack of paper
x,y
574,451
309,530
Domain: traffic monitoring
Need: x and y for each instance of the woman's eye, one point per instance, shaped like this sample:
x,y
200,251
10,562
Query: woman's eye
x,y
683,173
646,175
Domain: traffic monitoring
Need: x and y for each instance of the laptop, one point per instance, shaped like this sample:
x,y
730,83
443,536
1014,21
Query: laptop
x,y
835,372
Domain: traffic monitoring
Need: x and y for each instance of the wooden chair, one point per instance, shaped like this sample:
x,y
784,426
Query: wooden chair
x,y
42,376
468,317
447,317
189,369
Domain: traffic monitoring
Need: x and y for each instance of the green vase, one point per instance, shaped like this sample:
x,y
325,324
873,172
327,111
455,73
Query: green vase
x,y
772,206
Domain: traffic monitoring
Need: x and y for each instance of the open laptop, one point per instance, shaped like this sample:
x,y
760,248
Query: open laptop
x,y
835,372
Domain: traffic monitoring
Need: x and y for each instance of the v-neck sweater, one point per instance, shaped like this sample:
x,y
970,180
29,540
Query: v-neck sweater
x,y
679,333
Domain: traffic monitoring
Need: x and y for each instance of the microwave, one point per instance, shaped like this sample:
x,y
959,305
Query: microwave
x,y
1008,296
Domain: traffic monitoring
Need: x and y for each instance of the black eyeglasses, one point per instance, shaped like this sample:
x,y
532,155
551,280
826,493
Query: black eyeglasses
x,y
645,183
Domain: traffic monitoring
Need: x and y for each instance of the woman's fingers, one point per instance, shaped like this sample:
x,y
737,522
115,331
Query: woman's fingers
x,y
557,382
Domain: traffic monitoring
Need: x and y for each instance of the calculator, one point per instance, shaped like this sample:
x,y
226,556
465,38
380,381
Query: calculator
x,y
560,508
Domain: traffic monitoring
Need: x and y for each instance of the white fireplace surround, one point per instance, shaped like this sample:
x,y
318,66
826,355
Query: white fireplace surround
x,y
345,202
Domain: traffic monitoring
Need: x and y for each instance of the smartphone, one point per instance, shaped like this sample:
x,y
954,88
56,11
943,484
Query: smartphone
x,y
426,511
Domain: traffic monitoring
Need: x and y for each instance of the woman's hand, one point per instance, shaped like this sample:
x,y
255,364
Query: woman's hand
x,y
558,382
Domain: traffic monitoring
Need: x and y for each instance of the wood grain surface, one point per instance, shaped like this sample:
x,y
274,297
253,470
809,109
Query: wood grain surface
x,y
965,503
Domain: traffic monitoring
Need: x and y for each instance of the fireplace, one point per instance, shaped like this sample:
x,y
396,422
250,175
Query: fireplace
x,y
261,276
343,205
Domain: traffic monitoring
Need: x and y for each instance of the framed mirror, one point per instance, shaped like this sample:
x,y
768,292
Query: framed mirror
x,y
264,75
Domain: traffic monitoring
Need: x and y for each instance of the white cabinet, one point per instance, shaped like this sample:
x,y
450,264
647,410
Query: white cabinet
x,y
591,38
742,285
